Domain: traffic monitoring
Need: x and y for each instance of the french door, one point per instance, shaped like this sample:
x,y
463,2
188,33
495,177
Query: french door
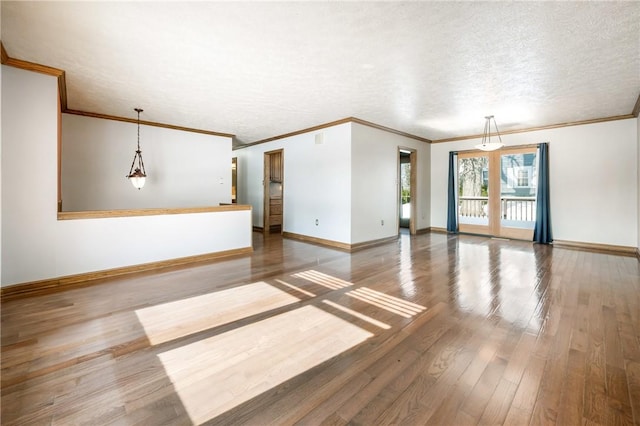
x,y
497,192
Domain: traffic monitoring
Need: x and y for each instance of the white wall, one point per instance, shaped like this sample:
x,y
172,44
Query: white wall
x,y
35,245
593,180
317,182
29,177
349,182
374,182
97,244
184,169
0,163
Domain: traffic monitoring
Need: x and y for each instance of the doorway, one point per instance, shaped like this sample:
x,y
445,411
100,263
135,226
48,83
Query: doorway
x,y
407,201
273,191
497,192
234,180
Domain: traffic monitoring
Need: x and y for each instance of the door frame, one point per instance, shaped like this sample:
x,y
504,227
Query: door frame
x,y
494,227
266,228
413,193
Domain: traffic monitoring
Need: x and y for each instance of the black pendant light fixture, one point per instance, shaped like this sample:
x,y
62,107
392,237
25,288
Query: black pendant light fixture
x,y
137,174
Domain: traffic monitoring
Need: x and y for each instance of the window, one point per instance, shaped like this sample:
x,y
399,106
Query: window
x,y
523,177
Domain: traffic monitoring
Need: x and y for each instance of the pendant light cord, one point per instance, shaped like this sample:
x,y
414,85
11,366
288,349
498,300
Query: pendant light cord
x,y
138,130
138,110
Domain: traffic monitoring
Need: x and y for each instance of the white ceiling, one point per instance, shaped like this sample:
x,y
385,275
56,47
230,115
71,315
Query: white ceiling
x,y
257,70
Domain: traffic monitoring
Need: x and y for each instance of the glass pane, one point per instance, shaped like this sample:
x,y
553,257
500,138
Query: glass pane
x,y
473,190
518,186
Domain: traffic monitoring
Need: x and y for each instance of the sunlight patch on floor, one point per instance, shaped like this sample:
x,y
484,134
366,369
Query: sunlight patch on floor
x,y
172,320
358,315
384,301
295,287
213,375
325,280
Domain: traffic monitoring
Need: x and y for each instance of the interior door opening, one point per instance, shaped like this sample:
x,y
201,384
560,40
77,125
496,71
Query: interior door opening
x,y
273,191
234,180
407,190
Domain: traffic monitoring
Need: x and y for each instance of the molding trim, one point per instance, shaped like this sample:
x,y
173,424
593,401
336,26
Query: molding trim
x,y
638,253
98,214
53,285
62,92
42,69
3,54
30,66
337,244
423,231
626,250
258,229
331,124
146,123
372,243
551,126
390,130
438,230
320,241
516,148
295,133
636,108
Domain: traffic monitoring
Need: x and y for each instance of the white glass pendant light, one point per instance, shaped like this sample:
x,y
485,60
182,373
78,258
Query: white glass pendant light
x,y
486,144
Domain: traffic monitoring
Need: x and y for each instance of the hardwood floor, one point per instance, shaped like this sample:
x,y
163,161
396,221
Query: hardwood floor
x,y
431,329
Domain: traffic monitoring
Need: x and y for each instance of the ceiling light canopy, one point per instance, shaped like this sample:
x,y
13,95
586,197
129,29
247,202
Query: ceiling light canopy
x,y
137,175
486,144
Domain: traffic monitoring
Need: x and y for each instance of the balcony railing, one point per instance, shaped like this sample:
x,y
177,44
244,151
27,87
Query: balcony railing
x,y
511,208
473,206
518,208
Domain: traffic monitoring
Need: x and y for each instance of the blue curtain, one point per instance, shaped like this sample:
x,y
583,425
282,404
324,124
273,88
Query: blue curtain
x,y
452,213
542,230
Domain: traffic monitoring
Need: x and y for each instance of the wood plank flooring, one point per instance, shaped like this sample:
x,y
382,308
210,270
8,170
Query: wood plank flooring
x,y
431,329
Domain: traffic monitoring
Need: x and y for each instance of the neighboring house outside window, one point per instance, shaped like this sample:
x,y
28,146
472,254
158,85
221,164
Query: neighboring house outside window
x,y
523,177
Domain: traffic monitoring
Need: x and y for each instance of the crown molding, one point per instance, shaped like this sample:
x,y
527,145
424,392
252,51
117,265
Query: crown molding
x,y
32,66
390,130
62,92
295,133
5,59
146,123
42,69
331,124
533,129
636,108
3,54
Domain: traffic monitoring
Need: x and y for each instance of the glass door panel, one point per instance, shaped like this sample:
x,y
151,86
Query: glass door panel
x,y
518,187
473,193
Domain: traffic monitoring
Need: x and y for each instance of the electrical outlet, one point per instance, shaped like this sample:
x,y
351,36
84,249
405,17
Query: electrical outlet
x,y
317,222
382,222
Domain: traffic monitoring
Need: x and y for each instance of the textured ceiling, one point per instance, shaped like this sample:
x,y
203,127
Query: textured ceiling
x,y
257,70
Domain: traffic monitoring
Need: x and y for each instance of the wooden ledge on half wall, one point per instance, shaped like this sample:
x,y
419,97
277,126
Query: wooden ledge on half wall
x,y
98,214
